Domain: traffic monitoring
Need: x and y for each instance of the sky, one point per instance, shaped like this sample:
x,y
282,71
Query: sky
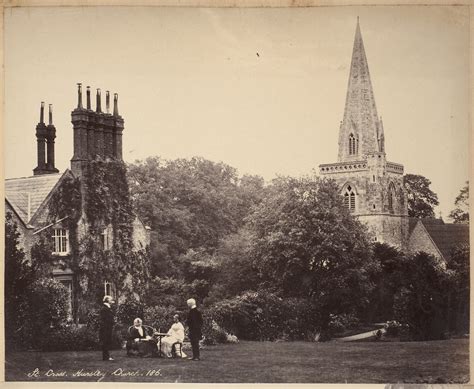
x,y
262,90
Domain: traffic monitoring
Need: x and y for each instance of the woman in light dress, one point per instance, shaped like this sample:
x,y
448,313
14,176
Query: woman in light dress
x,y
175,334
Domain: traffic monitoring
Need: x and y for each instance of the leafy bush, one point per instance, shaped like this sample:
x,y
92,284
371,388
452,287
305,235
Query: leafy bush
x,y
212,332
69,338
264,316
419,304
393,328
340,323
47,308
128,311
160,317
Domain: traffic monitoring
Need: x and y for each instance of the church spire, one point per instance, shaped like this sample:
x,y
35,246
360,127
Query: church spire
x,y
359,133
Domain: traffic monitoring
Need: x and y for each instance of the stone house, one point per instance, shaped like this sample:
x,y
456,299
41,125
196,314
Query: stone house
x,y
373,187
97,136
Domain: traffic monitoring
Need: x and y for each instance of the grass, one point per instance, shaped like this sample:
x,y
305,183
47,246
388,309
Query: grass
x,y
372,362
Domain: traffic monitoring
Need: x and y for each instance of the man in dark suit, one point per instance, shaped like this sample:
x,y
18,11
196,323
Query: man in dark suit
x,y
106,327
194,324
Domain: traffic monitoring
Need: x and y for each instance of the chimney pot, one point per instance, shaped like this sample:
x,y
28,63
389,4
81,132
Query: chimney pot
x,y
50,114
88,94
116,104
98,108
42,112
107,101
79,95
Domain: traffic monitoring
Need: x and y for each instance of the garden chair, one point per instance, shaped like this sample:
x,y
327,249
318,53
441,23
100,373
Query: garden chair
x,y
143,347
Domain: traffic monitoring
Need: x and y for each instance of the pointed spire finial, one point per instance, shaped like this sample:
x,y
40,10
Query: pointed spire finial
x,y
79,95
50,114
88,94
116,104
107,101
98,107
42,112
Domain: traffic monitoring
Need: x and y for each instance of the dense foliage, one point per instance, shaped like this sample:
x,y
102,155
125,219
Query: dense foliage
x,y
104,205
421,199
307,244
190,205
460,213
19,274
280,261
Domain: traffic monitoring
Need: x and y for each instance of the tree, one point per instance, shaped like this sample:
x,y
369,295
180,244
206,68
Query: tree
x,y
236,270
420,301
460,214
191,204
421,199
307,244
18,277
458,292
387,281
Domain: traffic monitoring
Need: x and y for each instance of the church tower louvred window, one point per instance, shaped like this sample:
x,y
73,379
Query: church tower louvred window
x,y
391,198
350,198
353,144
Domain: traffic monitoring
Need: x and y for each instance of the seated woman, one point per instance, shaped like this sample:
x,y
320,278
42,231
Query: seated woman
x,y
175,334
138,339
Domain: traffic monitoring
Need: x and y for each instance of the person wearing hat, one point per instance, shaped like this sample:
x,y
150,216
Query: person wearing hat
x,y
106,327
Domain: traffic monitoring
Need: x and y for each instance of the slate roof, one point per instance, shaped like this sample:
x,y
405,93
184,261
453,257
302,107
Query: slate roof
x,y
33,190
446,236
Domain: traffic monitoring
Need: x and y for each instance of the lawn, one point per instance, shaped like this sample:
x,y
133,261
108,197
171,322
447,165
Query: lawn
x,y
332,362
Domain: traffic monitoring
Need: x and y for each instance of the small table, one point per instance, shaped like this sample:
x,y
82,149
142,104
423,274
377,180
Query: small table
x,y
159,335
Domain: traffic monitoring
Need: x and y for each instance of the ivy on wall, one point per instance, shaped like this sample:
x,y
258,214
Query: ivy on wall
x,y
99,201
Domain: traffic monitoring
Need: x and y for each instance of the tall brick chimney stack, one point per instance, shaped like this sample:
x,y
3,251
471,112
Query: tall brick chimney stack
x,y
41,131
50,137
118,125
97,134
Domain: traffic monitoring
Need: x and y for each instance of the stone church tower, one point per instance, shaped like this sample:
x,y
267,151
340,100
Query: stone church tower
x,y
372,187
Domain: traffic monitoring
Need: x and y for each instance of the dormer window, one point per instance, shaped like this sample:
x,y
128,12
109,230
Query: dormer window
x,y
350,198
60,241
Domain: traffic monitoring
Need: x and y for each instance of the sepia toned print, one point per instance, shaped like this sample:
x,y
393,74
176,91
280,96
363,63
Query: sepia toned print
x,y
216,199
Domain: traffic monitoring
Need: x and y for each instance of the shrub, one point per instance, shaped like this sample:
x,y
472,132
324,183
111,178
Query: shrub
x,y
212,332
160,317
265,316
340,323
69,338
393,328
128,311
47,308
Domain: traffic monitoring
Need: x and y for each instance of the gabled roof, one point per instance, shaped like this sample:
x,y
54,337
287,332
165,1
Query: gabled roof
x,y
26,195
446,236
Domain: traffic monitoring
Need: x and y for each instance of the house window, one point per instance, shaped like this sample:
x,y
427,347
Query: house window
x,y
109,289
104,239
60,241
350,198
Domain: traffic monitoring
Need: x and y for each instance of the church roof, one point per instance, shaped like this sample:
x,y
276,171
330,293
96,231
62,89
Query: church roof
x,y
360,112
446,236
27,194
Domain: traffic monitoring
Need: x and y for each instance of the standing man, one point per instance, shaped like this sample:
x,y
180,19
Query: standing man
x,y
195,325
106,327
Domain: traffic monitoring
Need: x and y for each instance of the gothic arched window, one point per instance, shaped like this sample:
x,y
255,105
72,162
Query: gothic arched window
x,y
352,144
350,198
391,198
